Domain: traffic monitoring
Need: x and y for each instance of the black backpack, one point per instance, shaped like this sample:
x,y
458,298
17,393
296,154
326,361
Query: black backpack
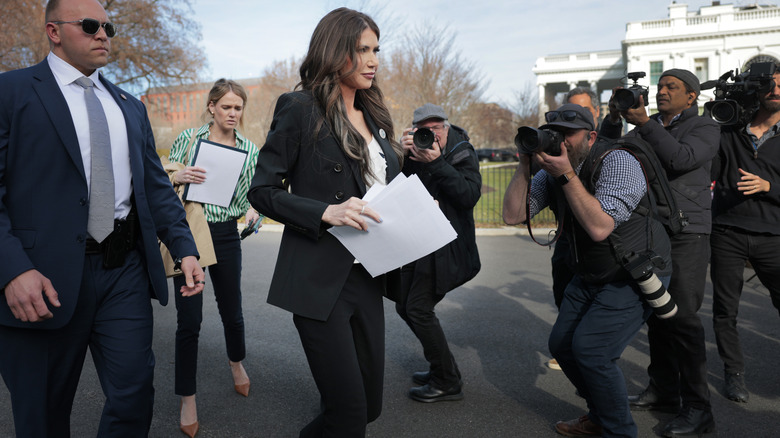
x,y
662,203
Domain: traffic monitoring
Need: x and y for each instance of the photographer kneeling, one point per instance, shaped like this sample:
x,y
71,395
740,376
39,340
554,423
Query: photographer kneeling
x,y
603,306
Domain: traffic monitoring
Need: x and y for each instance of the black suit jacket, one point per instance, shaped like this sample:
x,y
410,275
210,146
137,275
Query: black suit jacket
x,y
43,191
312,265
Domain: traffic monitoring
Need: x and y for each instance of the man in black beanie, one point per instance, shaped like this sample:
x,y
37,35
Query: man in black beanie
x,y
685,144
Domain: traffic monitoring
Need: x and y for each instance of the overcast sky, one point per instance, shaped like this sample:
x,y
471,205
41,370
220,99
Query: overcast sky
x,y
503,37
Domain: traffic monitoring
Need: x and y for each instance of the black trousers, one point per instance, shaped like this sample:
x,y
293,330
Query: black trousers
x,y
731,249
678,355
113,317
416,307
346,355
225,277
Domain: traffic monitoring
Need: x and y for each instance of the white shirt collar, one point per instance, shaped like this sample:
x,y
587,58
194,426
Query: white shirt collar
x,y
66,74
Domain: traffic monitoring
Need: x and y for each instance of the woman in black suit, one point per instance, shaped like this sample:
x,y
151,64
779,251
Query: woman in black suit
x,y
328,143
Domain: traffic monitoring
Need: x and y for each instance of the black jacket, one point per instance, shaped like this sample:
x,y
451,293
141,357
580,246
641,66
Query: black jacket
x,y
758,213
301,154
685,148
454,180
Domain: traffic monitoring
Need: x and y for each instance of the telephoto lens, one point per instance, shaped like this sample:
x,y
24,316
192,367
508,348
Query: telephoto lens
x,y
657,297
423,138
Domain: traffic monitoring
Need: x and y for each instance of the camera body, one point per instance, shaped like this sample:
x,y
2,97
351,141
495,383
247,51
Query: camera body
x,y
736,102
627,98
531,140
640,267
423,138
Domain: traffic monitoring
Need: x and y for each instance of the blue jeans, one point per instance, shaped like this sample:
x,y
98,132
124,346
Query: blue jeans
x,y
594,326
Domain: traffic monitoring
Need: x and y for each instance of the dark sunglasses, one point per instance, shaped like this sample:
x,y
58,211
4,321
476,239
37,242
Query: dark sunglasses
x,y
90,26
568,115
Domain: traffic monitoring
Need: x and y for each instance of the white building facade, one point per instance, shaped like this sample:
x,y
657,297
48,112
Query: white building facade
x,y
708,42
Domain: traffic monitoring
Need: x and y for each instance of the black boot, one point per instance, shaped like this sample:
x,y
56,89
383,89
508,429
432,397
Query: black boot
x,y
421,377
649,400
690,422
428,393
735,387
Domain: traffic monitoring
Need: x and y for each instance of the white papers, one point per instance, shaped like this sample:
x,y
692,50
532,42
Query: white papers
x,y
412,227
223,166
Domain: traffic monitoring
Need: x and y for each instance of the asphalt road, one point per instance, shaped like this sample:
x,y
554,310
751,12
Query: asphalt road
x,y
497,326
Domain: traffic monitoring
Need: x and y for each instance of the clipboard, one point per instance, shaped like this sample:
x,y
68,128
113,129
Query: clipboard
x,y
223,166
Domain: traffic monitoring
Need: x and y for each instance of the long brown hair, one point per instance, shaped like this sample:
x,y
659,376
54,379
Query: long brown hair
x,y
220,89
333,43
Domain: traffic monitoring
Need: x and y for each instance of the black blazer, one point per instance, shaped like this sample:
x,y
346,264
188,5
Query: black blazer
x,y
312,265
43,191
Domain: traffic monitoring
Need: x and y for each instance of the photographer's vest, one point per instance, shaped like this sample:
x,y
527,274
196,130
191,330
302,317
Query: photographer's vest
x,y
601,262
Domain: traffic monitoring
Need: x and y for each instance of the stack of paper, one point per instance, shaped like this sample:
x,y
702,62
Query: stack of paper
x,y
412,226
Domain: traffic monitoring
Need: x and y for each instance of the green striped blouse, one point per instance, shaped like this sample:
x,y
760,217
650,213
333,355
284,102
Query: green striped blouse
x,y
239,204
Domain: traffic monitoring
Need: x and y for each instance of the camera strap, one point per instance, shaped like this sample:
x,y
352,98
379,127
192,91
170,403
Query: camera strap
x,y
561,204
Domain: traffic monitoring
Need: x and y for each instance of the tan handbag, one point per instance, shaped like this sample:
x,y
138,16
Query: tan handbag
x,y
196,219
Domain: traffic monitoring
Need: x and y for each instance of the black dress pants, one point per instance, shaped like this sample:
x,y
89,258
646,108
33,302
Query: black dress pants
x,y
346,355
678,355
416,308
731,249
225,276
113,317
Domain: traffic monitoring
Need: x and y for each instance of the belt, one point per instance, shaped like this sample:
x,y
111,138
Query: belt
x,y
115,247
93,247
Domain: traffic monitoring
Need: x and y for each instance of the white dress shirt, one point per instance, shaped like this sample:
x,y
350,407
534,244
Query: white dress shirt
x,y
66,75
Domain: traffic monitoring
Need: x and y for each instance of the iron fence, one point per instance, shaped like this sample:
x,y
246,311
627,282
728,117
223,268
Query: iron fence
x,y
495,179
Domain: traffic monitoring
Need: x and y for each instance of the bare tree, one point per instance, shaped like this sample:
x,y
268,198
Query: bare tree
x,y
425,68
279,78
526,106
492,126
22,45
156,41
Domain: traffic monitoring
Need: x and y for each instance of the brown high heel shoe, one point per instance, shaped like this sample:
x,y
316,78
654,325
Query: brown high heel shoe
x,y
189,429
242,388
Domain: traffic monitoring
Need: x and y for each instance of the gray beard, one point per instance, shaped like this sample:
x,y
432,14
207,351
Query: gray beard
x,y
576,157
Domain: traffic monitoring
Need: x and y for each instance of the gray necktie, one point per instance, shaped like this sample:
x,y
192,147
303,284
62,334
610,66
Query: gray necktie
x,y
101,188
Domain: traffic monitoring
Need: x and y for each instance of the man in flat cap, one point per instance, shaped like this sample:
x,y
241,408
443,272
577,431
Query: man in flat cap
x,y
449,169
685,143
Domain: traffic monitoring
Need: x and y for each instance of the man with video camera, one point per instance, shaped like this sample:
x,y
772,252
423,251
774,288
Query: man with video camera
x,y
746,213
685,144
599,189
446,163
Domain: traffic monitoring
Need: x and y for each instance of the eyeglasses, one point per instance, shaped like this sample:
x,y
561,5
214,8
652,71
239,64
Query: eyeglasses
x,y
436,127
568,115
90,26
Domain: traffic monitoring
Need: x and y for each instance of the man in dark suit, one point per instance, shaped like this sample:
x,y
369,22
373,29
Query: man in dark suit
x,y
71,278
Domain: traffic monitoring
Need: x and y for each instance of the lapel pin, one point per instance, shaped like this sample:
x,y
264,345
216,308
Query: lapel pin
x,y
382,133
123,96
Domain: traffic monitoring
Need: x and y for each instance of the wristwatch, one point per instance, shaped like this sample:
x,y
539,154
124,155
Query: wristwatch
x,y
564,179
177,264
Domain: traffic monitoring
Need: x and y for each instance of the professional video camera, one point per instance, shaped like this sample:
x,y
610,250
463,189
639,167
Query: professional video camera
x,y
423,138
531,140
641,266
736,102
626,98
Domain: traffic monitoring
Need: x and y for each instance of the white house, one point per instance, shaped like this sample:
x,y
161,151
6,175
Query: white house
x,y
708,42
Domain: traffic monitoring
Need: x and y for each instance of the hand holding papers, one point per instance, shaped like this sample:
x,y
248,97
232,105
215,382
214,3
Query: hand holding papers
x,y
223,165
412,227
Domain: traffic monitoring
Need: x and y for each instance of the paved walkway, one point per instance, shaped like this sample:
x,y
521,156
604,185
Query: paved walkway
x,y
497,325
